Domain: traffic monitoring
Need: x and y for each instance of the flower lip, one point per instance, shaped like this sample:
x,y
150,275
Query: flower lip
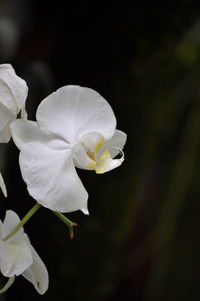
x,y
88,154
105,162
120,152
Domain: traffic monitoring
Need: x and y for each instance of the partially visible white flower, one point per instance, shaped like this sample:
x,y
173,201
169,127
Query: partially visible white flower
x,y
3,185
13,94
18,257
75,127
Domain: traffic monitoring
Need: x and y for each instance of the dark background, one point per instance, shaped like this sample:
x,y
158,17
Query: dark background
x,y
141,239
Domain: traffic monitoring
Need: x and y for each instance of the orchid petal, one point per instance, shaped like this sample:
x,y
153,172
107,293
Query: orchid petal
x,y
82,159
5,134
24,115
37,273
92,142
73,111
13,89
11,220
3,186
51,177
115,144
24,132
6,117
15,257
1,230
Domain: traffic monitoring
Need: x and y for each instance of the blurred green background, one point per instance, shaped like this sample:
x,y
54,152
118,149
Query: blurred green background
x,y
141,239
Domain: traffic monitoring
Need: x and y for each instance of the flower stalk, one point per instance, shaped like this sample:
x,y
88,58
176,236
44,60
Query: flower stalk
x,y
7,285
24,220
66,221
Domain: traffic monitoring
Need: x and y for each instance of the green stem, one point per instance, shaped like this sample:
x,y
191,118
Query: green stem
x,y
23,221
66,221
7,285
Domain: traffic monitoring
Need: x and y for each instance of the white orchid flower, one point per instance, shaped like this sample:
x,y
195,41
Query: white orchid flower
x,y
75,127
13,94
18,257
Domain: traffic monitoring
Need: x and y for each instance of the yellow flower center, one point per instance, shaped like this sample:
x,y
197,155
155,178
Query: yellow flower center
x,y
99,164
91,155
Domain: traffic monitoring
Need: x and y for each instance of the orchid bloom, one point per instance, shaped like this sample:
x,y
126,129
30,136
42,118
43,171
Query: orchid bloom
x,y
13,94
17,255
75,127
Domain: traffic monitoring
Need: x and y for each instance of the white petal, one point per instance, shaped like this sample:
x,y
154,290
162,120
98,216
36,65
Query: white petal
x,y
13,89
11,220
51,177
3,186
37,273
24,115
81,159
92,142
85,211
74,111
6,117
114,144
5,134
15,257
24,132
106,163
1,230
114,164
